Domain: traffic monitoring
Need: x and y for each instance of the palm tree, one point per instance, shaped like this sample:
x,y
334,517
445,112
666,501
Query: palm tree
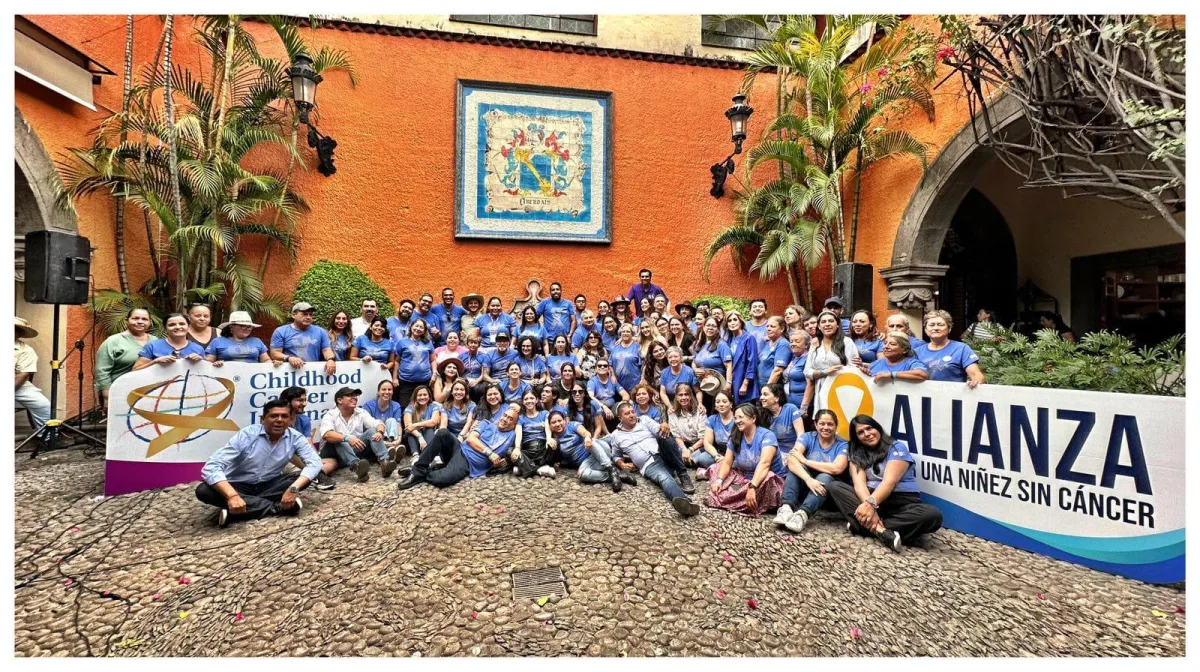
x,y
830,128
189,175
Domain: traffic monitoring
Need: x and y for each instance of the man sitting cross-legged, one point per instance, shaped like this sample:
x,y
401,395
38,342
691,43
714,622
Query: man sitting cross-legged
x,y
348,432
486,450
245,478
637,443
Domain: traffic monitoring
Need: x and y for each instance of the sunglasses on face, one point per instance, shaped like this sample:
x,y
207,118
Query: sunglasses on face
x,y
577,392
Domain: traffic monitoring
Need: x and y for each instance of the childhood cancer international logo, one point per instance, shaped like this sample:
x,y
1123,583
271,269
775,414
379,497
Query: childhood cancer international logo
x,y
181,406
850,395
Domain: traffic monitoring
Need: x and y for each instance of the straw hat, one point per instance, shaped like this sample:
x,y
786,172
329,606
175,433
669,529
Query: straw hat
x,y
711,382
24,330
469,297
441,366
239,317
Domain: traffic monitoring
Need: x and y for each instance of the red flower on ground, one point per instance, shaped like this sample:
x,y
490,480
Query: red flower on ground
x,y
752,603
855,633
238,616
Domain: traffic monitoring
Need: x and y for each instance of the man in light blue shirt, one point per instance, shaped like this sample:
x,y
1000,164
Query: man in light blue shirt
x,y
301,342
449,316
245,478
558,314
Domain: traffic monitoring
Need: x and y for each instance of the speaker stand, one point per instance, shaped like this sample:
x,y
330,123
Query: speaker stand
x,y
49,433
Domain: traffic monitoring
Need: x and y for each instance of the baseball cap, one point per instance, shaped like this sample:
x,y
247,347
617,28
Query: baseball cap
x,y
834,300
346,392
502,336
303,307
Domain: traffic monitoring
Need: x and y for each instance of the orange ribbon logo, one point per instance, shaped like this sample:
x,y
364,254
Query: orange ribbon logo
x,y
867,405
182,426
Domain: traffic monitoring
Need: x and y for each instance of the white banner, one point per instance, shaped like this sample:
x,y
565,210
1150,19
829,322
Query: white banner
x,y
164,421
1091,477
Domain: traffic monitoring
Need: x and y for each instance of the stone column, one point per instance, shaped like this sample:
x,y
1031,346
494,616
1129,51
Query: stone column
x,y
911,290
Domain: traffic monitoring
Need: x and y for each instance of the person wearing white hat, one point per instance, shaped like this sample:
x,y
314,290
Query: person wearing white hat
x,y
25,361
299,341
235,344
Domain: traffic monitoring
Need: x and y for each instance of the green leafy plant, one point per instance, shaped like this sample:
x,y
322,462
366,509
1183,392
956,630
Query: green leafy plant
x,y
331,286
1101,361
726,303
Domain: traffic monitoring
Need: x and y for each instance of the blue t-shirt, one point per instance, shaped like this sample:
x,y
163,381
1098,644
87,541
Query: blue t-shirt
x,y
229,350
653,411
396,329
489,327
497,362
341,347
159,347
913,342
449,319
556,316
581,333
793,375
813,450
720,429
414,359
379,352
670,380
555,362
881,365
605,393
532,368
571,450
304,426
433,407
472,364
499,442
597,411
307,344
514,396
393,411
609,339
534,331
759,333
713,359
907,482
948,364
784,428
747,455
627,364
868,351
457,418
770,357
533,429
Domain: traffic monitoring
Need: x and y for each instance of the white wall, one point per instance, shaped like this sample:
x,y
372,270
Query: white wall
x,y
1049,230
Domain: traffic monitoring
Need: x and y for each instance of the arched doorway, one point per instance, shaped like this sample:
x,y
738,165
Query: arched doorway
x,y
980,257
33,201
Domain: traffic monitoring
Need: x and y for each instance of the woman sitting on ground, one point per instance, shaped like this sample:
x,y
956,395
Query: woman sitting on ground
x,y
448,370
688,424
387,411
421,419
459,413
749,479
341,336
785,420
532,456
170,349
819,458
235,344
513,387
491,402
574,449
718,427
947,360
896,361
586,411
375,346
883,499
645,402
604,388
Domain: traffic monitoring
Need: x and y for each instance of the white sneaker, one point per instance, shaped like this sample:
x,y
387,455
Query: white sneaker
x,y
516,471
701,474
797,521
437,462
785,514
546,470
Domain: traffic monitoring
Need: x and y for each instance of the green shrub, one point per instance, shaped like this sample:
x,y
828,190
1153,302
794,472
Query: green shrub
x,y
331,286
1101,361
726,303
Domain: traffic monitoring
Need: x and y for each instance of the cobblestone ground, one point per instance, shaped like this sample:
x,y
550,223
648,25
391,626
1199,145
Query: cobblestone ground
x,y
369,571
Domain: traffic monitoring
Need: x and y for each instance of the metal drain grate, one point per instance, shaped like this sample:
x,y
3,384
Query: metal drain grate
x,y
538,583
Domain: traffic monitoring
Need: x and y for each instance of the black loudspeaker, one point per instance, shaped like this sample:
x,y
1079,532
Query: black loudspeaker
x,y
57,266
853,283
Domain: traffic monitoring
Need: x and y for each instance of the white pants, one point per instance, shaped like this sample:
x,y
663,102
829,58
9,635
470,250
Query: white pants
x,y
35,402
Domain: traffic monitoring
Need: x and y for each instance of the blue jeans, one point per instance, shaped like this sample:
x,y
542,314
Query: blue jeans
x,y
660,474
348,456
35,402
597,468
702,459
794,489
391,429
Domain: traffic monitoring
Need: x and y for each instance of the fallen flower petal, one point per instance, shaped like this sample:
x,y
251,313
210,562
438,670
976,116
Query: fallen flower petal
x,y
1041,596
1179,610
184,580
75,529
720,594
753,604
183,615
475,616
855,633
728,558
787,537
499,509
67,582
1158,613
238,616
157,596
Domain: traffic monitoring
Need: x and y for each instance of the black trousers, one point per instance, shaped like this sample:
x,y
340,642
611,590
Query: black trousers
x,y
534,454
454,464
902,512
668,451
261,498
404,391
413,445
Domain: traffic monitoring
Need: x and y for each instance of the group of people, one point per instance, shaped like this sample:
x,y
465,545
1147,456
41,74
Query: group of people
x,y
634,385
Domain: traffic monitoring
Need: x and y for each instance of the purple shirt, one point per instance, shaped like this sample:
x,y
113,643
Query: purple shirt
x,y
637,293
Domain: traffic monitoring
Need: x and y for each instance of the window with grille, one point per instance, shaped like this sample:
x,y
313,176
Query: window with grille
x,y
735,34
575,24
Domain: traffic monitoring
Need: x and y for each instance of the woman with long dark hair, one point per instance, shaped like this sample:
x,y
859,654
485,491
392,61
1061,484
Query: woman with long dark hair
x,y
529,326
785,420
560,353
655,362
865,335
491,402
883,499
341,336
711,353
827,355
532,455
533,363
1054,321
984,326
414,360
589,353
749,479
586,411
744,348
448,371
422,417
719,427
680,336
375,346
610,331
819,458
459,410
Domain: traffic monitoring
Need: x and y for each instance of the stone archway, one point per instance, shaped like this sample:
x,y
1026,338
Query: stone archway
x,y
35,181
915,272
